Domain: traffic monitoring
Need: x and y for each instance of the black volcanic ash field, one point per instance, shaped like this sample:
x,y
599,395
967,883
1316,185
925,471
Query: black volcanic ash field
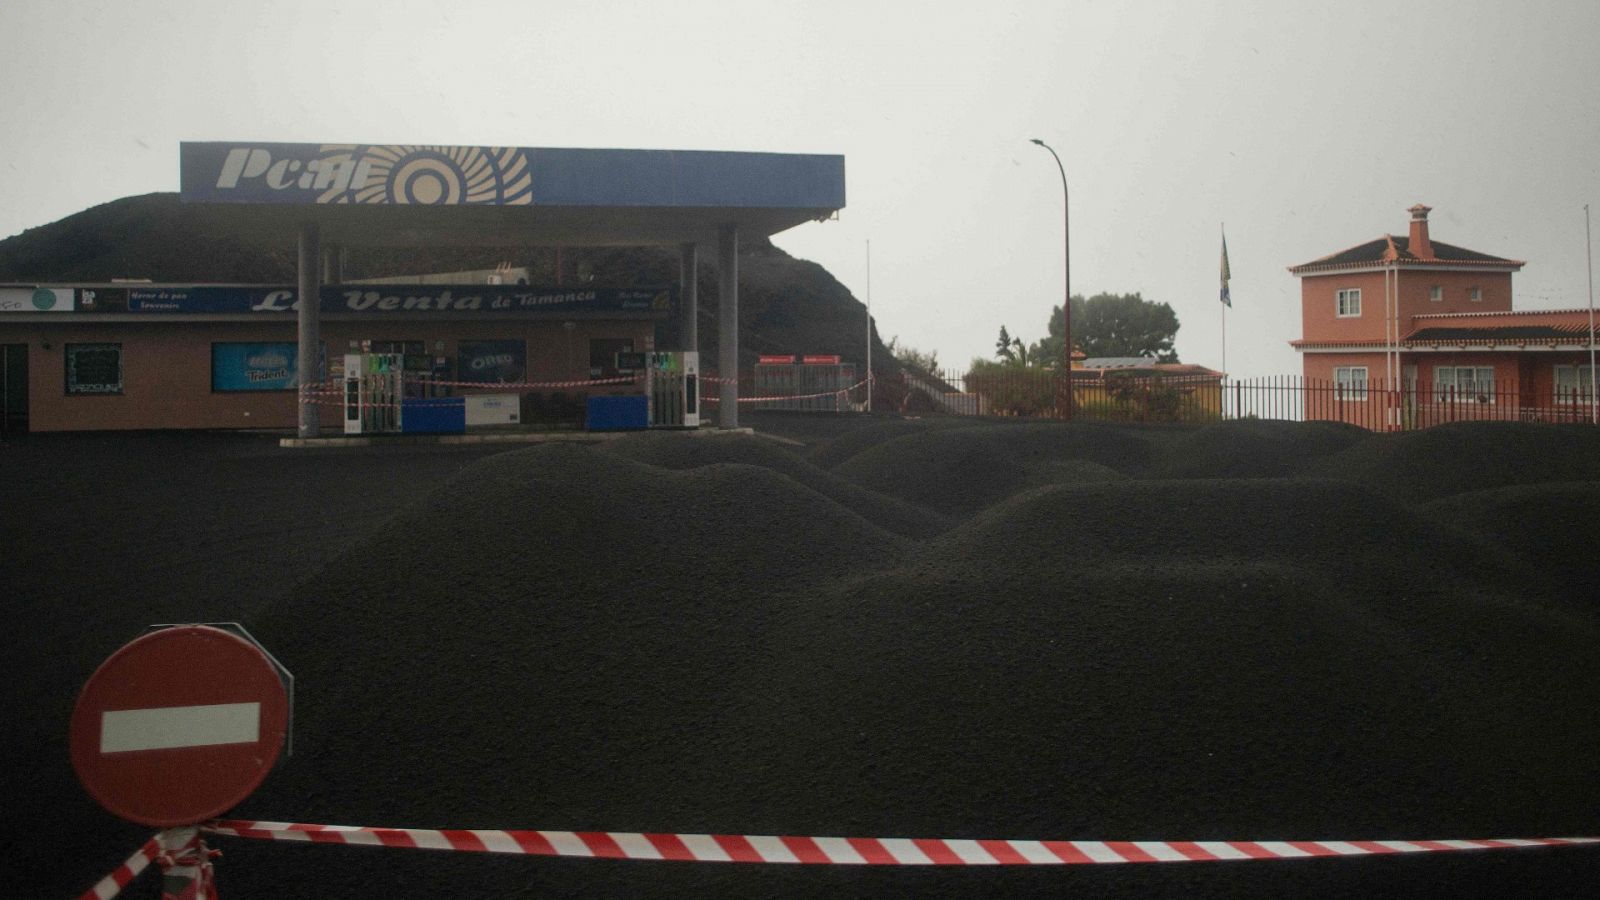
x,y
917,629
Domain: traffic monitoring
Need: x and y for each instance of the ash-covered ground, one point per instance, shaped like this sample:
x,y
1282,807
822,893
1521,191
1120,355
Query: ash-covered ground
x,y
875,627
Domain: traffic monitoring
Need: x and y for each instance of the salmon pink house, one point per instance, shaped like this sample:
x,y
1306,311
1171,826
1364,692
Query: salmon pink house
x,y
1407,331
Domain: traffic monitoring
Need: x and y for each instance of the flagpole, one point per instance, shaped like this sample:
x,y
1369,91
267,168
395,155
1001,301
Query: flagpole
x,y
1224,229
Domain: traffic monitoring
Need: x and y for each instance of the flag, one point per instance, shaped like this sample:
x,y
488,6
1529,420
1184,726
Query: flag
x,y
1226,300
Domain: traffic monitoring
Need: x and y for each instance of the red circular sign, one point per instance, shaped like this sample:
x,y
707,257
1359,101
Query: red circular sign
x,y
178,726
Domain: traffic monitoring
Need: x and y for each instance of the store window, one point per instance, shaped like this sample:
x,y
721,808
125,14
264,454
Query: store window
x,y
1350,382
258,366
603,356
491,362
94,368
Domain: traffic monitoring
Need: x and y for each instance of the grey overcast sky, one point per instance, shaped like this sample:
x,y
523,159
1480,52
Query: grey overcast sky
x,y
1305,126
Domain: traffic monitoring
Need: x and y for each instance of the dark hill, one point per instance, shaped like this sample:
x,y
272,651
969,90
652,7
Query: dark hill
x,y
786,305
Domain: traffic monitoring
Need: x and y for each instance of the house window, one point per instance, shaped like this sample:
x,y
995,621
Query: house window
x,y
1349,303
1574,384
1475,294
1436,294
94,368
1464,384
1350,382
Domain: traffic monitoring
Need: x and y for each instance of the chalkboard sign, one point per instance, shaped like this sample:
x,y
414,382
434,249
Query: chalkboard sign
x,y
94,368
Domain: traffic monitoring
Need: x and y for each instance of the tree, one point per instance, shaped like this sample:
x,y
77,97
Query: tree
x,y
1114,325
1013,352
1002,345
912,358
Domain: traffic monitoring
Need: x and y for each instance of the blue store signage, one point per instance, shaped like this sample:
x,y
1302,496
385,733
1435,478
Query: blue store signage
x,y
492,362
400,299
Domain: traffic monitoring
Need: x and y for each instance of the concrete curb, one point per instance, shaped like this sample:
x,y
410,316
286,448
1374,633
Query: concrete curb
x,y
493,437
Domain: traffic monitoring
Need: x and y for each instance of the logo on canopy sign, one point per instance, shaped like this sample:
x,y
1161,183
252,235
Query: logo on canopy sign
x,y
179,725
384,174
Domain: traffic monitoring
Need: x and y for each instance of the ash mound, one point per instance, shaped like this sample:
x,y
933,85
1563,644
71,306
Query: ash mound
x,y
710,645
1067,530
1466,456
564,514
958,471
673,452
1254,448
837,448
1543,524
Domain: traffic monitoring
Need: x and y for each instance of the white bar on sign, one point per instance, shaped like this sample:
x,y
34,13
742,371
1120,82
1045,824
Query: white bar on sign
x,y
172,727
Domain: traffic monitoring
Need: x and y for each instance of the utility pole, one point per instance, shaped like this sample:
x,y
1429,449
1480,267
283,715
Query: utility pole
x,y
869,324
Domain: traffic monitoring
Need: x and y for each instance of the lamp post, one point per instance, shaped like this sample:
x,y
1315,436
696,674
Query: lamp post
x,y
1066,265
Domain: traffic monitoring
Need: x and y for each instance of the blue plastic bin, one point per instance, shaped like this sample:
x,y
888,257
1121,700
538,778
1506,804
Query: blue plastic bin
x,y
626,413
434,415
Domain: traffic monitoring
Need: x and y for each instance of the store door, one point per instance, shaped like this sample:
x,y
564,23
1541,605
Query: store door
x,y
13,389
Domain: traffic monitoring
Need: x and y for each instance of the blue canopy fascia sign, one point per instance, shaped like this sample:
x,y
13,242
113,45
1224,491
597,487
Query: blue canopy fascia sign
x,y
374,174
396,300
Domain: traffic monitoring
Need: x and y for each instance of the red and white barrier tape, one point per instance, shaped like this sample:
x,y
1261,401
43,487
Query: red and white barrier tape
x,y
836,392
185,863
112,884
843,851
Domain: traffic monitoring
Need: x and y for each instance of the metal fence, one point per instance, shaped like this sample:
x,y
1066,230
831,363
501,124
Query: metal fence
x,y
810,387
1143,397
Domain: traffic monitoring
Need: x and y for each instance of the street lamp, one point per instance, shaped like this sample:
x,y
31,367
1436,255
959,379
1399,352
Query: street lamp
x,y
1066,264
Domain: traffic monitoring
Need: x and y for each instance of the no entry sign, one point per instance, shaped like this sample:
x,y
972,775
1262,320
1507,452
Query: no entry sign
x,y
179,726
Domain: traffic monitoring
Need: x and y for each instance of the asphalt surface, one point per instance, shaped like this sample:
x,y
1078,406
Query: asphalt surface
x,y
876,627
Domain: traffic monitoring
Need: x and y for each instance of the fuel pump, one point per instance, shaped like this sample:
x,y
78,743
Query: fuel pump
x,y
674,389
373,387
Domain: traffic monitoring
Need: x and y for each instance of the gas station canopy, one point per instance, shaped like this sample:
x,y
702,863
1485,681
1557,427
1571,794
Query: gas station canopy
x,y
413,195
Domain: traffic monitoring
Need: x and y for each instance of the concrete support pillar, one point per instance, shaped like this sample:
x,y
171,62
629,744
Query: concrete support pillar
x,y
689,297
310,321
333,261
728,326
